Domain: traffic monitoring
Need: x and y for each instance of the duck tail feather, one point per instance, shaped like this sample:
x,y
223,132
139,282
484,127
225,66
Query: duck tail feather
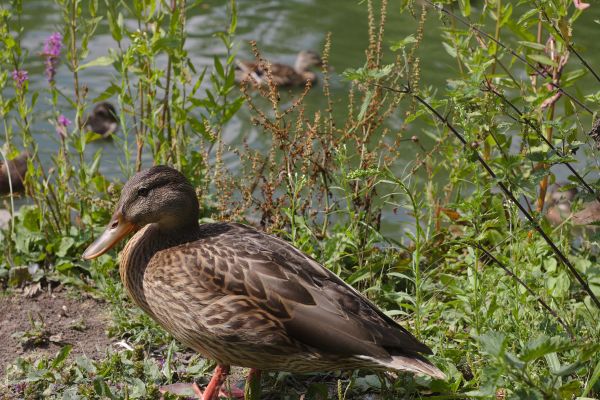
x,y
411,363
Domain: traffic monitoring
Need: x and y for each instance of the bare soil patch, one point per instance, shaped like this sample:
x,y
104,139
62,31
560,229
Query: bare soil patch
x,y
67,319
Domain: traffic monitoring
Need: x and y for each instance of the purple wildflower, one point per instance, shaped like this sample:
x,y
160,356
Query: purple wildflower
x,y
52,47
20,76
61,126
64,121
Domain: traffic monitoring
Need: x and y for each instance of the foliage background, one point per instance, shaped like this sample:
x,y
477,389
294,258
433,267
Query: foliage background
x,y
477,272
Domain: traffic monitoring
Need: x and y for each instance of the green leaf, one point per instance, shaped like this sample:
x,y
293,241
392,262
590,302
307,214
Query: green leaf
x,y
108,92
65,244
86,364
544,345
514,361
102,388
31,218
364,74
450,49
493,343
219,67
570,389
400,44
542,59
62,355
465,7
592,381
98,62
532,45
574,75
365,104
567,369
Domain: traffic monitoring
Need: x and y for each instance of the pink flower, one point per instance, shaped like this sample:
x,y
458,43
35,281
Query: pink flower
x,y
20,76
52,47
580,5
63,121
61,126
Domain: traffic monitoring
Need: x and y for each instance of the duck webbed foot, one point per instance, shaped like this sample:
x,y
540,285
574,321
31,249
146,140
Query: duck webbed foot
x,y
213,390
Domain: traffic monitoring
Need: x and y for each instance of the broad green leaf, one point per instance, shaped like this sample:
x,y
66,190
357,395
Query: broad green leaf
x,y
108,92
533,45
493,343
102,388
98,62
544,345
65,244
400,44
567,369
542,59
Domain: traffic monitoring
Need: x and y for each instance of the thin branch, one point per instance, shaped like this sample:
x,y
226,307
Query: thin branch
x,y
527,122
538,71
567,42
538,298
504,188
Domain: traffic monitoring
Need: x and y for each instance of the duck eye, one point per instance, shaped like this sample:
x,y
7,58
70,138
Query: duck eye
x,y
143,191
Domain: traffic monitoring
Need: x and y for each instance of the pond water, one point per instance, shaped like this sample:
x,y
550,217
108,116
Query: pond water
x,y
281,29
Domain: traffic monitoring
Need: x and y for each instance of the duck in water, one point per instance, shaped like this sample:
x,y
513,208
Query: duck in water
x,y
282,74
103,120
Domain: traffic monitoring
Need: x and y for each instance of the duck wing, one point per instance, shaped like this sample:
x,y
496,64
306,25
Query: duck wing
x,y
297,298
282,74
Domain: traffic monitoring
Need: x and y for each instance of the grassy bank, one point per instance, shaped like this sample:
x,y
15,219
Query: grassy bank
x,y
507,301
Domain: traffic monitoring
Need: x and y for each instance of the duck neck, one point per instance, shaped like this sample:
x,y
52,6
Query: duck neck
x,y
139,250
300,66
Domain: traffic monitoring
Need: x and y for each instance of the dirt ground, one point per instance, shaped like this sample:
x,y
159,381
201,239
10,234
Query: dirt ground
x,y
66,320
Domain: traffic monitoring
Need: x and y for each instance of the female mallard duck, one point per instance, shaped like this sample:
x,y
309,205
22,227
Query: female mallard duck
x,y
282,74
12,174
103,120
242,297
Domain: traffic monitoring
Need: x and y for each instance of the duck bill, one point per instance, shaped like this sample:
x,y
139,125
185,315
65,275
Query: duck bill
x,y
115,231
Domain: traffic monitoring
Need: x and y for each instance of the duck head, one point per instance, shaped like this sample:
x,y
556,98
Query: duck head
x,y
159,195
307,59
103,119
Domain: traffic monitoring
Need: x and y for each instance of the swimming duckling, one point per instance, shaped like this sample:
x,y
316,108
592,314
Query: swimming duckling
x,y
103,120
282,74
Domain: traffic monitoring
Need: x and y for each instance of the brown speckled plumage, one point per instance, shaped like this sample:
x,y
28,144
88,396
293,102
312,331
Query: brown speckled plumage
x,y
242,297
281,74
16,170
